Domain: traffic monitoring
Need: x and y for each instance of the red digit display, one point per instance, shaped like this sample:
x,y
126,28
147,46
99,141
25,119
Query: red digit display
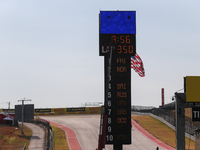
x,y
125,49
128,39
113,38
119,49
122,39
124,44
130,49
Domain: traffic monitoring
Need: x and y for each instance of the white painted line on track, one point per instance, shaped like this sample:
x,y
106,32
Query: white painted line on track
x,y
149,138
67,139
72,137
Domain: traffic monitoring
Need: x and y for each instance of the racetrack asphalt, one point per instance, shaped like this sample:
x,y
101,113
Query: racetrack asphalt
x,y
86,129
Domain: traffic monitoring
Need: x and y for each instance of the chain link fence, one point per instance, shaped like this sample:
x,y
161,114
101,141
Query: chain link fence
x,y
197,141
142,108
169,116
91,104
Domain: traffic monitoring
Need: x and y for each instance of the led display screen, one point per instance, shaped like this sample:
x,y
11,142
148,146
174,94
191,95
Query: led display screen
x,y
117,42
117,22
123,44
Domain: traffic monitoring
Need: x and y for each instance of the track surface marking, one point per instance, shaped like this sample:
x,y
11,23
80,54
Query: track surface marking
x,y
154,139
72,139
86,129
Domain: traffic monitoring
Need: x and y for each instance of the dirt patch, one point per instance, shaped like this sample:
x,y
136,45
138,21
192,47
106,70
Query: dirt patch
x,y
11,137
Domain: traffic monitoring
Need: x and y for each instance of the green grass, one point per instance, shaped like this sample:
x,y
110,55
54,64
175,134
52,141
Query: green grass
x,y
60,140
161,131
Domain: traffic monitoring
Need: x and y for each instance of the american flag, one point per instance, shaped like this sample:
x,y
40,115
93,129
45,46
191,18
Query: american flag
x,y
137,65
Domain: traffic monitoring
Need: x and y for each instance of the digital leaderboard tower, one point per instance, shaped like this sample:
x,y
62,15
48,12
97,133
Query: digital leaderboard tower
x,y
117,43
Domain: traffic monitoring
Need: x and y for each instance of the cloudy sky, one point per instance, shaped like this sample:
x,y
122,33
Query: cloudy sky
x,y
49,50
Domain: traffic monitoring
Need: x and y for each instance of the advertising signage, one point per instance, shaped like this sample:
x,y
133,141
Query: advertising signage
x,y
192,88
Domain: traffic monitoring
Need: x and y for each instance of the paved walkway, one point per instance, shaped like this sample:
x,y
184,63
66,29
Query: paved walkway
x,y
37,139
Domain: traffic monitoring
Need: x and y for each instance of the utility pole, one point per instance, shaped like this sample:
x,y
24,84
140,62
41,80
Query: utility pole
x,y
23,112
8,105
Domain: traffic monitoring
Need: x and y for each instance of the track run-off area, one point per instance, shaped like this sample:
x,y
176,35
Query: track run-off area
x,y
82,133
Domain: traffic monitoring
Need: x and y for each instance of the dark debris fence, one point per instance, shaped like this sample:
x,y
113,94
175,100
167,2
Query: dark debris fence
x,y
49,140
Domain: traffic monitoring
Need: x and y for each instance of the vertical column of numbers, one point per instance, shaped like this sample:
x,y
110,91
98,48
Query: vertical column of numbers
x,y
109,136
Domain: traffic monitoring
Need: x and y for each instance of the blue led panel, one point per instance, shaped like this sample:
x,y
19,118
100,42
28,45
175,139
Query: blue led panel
x,y
117,22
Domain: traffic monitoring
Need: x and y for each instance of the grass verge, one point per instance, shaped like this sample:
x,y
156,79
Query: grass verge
x,y
60,140
12,139
161,131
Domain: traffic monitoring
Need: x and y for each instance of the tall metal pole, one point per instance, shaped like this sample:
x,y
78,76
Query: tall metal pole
x,y
23,117
117,147
180,120
23,113
8,105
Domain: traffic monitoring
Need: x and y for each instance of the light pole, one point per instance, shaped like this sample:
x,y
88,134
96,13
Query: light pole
x,y
23,112
8,105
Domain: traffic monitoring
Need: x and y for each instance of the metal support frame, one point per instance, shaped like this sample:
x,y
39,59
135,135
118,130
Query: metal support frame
x,y
117,147
23,113
180,120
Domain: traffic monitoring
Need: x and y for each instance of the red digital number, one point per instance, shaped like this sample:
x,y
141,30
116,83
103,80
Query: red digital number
x,y
119,49
130,49
125,48
113,38
128,39
122,39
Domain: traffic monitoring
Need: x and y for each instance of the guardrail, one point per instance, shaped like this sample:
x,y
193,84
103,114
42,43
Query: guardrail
x,y
24,147
49,140
190,127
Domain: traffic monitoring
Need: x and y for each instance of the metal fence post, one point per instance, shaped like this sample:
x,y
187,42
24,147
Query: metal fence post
x,y
180,121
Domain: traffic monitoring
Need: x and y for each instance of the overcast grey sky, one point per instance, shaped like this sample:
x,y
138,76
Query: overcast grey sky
x,y
49,50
